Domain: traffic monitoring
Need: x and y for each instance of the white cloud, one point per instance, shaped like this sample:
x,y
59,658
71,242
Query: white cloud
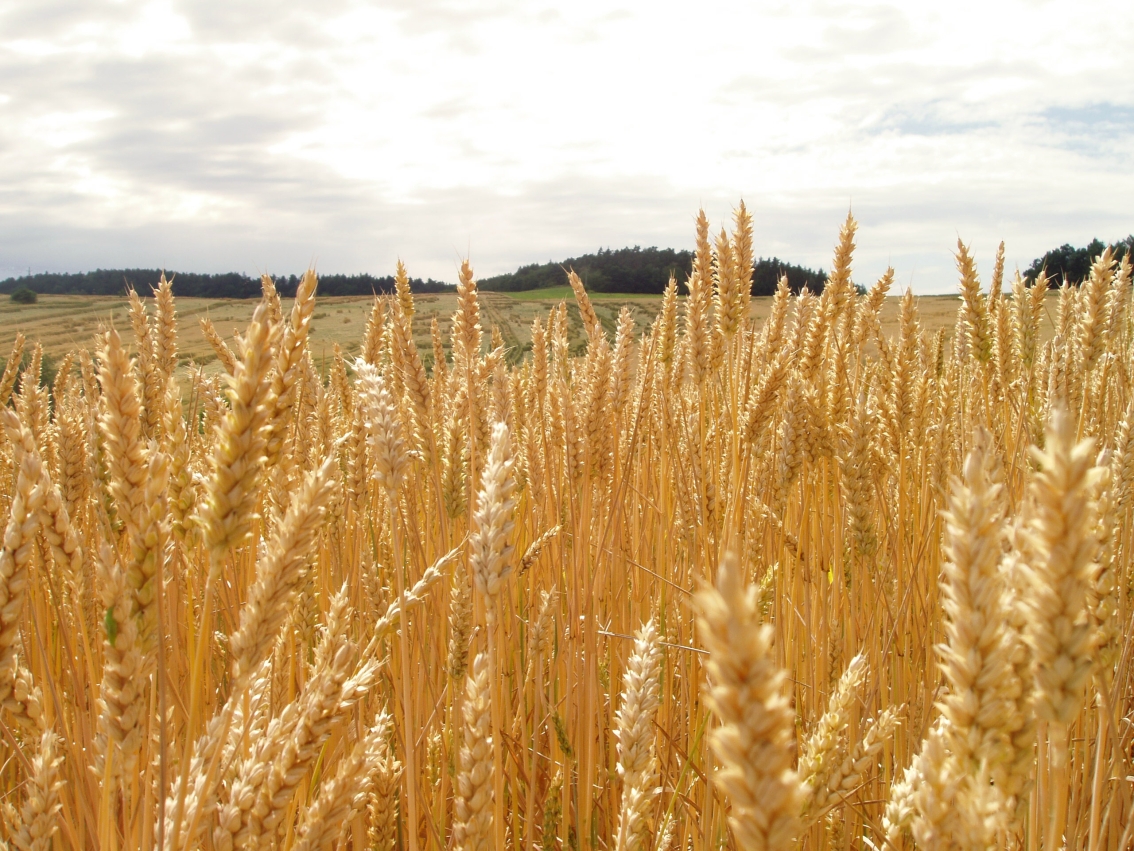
x,y
260,135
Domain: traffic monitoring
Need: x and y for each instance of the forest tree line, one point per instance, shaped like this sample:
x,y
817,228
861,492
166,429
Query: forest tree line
x,y
623,270
1068,263
194,285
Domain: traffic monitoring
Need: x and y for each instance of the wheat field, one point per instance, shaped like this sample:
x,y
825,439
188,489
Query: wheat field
x,y
708,580
67,323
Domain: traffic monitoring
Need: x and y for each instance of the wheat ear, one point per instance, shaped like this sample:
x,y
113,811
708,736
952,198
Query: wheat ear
x,y
11,370
825,746
381,810
165,329
18,549
36,822
120,425
755,741
125,669
1061,546
412,598
229,508
289,362
224,353
344,796
280,570
852,772
472,829
1060,564
535,548
277,762
982,700
460,623
491,549
388,452
637,762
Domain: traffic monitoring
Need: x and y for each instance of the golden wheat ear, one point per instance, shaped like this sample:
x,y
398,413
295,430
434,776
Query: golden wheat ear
x,y
17,554
34,825
280,571
343,797
825,748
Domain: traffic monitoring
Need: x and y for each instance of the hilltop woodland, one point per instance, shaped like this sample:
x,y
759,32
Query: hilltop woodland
x,y
644,271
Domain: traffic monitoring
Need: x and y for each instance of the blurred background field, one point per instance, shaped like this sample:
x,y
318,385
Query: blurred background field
x,y
63,323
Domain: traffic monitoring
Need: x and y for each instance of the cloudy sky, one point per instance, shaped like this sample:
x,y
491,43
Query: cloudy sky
x,y
263,135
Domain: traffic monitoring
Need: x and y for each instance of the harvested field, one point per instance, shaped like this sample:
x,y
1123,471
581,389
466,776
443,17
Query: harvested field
x,y
67,323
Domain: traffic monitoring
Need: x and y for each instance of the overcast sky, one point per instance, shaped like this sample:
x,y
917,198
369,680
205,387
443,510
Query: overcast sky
x,y
218,135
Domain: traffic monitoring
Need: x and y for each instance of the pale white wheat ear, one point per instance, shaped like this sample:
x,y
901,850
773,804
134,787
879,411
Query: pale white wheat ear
x,y
1060,563
490,546
637,761
754,743
388,449
342,798
843,781
985,703
962,784
260,796
472,829
1060,544
490,556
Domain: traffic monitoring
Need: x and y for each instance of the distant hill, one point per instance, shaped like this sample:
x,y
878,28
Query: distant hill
x,y
623,270
1074,264
192,285
642,270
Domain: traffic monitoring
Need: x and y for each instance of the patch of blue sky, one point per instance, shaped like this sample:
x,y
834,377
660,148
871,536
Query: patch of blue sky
x,y
1097,119
1100,131
926,120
